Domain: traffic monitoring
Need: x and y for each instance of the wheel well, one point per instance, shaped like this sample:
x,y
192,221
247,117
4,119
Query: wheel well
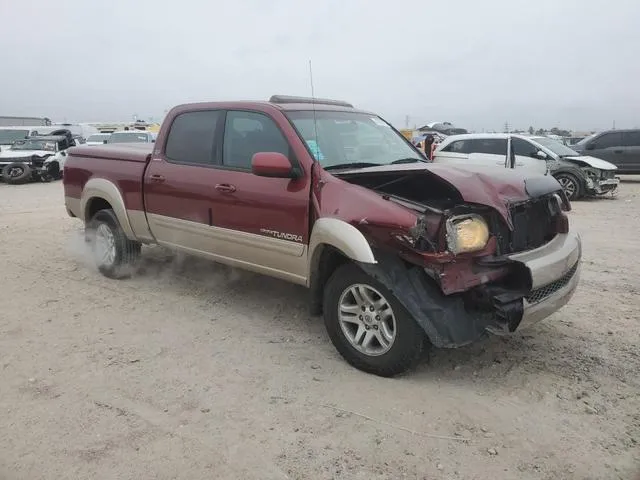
x,y
330,258
94,206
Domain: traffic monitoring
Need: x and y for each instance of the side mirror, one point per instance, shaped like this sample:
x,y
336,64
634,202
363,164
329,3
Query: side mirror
x,y
541,155
271,164
592,146
104,141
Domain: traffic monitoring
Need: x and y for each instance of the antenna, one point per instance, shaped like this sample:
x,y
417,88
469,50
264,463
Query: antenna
x,y
316,152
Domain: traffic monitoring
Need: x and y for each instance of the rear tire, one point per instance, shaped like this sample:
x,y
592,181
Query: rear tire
x,y
17,173
368,325
114,254
570,185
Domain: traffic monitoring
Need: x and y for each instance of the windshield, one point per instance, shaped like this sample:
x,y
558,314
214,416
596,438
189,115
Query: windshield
x,y
556,147
97,138
343,138
128,137
34,145
7,137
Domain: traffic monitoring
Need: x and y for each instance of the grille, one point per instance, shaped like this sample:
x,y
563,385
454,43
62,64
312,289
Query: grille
x,y
543,292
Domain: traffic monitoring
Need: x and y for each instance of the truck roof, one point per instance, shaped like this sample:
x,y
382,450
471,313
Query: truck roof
x,y
281,102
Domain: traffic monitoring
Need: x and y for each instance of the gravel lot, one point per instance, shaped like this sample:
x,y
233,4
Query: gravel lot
x,y
191,370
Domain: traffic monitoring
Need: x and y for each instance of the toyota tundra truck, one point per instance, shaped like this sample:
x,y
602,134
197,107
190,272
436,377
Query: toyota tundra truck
x,y
399,254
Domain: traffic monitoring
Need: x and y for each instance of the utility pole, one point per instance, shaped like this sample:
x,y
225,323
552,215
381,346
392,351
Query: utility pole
x,y
406,121
614,125
506,127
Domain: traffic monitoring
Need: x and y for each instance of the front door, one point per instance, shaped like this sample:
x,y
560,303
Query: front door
x,y
607,146
264,221
526,155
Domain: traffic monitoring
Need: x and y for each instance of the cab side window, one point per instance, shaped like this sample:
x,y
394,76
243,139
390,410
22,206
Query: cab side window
x,y
631,139
607,140
191,139
247,133
492,146
523,148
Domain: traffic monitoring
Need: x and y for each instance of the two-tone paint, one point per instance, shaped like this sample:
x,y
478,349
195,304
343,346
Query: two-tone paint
x,y
290,228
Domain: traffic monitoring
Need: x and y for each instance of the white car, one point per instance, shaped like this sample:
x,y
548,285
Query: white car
x,y
36,157
98,138
132,136
578,175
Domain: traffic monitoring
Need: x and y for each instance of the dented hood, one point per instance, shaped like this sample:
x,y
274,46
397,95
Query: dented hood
x,y
496,188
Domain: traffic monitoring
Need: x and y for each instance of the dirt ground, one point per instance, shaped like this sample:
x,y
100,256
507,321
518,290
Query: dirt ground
x,y
191,370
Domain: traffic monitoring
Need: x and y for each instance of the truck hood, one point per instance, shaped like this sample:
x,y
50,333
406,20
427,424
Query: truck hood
x,y
495,188
592,162
6,153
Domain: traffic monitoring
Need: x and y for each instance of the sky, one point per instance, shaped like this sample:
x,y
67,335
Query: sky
x,y
478,64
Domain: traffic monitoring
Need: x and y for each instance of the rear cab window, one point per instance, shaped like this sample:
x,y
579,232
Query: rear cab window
x,y
191,139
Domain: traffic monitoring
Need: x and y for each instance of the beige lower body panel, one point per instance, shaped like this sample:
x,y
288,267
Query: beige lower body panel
x,y
258,253
73,206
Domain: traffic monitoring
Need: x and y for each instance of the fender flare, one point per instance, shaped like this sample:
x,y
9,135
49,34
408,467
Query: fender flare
x,y
340,235
106,190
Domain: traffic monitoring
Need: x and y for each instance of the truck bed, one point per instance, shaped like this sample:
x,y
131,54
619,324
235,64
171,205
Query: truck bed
x,y
120,165
132,152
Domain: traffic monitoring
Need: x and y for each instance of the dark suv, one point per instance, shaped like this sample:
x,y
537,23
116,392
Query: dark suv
x,y
620,147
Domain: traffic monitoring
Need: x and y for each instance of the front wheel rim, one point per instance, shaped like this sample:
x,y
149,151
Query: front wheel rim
x,y
567,185
367,320
16,172
105,247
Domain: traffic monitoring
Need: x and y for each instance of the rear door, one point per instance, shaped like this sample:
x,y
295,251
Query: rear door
x,y
491,152
630,156
263,222
488,152
607,146
179,182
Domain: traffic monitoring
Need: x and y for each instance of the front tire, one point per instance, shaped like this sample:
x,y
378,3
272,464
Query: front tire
x,y
570,185
17,173
368,325
114,254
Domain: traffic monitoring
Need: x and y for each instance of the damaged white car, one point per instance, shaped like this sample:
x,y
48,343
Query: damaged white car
x,y
37,158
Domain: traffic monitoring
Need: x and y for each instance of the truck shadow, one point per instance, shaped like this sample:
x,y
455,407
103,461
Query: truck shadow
x,y
281,309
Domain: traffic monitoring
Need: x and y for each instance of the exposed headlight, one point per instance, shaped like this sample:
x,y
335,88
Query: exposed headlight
x,y
467,233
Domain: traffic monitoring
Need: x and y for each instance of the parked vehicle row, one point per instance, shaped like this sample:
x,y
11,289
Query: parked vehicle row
x,y
398,253
579,175
27,155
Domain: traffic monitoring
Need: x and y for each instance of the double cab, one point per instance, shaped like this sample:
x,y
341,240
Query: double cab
x,y
399,254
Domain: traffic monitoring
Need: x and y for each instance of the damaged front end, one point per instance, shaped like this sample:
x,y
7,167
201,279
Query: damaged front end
x,y
465,269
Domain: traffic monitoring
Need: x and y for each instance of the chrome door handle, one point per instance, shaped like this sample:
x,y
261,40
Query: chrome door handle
x,y
225,188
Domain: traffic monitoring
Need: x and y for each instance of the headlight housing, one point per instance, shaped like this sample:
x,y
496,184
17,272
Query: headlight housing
x,y
467,233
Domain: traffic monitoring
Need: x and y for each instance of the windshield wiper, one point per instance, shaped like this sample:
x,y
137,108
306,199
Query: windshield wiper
x,y
345,166
406,160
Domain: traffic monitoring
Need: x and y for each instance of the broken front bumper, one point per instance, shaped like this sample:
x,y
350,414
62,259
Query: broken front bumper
x,y
545,280
602,186
555,273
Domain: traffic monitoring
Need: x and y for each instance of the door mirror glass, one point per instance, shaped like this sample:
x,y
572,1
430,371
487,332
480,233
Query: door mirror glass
x,y
541,155
271,164
104,141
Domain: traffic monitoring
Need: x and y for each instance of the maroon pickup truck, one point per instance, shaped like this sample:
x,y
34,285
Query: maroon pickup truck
x,y
398,253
